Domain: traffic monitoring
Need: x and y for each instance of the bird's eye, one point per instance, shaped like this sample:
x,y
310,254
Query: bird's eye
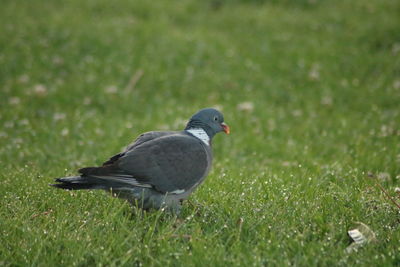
x,y
215,118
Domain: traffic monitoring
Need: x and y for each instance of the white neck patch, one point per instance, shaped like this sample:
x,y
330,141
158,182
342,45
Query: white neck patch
x,y
200,134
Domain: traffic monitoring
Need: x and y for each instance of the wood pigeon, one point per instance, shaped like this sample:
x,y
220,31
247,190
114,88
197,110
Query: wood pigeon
x,y
159,169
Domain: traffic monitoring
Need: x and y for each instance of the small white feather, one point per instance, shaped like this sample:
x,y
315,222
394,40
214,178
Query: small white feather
x,y
357,236
178,191
123,179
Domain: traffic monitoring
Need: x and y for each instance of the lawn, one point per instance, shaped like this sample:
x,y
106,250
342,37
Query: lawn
x,y
310,89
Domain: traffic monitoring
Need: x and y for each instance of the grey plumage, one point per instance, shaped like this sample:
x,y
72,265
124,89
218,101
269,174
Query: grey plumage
x,y
159,169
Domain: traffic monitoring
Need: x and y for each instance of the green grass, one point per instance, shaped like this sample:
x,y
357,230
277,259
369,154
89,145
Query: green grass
x,y
323,78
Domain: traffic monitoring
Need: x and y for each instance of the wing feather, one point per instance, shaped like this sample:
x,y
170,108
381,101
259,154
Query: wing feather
x,y
145,137
169,163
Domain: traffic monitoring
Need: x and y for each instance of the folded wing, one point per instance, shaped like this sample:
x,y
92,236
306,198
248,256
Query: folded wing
x,y
169,163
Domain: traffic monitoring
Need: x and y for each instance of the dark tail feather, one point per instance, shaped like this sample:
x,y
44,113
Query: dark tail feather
x,y
75,183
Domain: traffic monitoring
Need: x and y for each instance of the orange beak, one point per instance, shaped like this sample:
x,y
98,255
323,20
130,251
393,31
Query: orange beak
x,y
226,128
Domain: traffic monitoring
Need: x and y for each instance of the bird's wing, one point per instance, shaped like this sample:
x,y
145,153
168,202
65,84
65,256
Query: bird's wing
x,y
170,163
145,137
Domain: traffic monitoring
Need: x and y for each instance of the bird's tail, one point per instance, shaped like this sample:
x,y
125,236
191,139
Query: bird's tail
x,y
76,183
97,182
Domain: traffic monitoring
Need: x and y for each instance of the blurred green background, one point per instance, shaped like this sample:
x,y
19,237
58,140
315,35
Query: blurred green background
x,y
311,90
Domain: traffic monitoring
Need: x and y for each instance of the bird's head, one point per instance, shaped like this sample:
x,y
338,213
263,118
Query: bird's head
x,y
210,120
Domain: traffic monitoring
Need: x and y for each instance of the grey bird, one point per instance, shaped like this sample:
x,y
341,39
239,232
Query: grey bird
x,y
159,169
